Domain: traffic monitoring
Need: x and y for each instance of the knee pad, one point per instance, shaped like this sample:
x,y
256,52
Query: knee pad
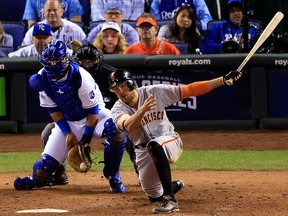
x,y
112,133
43,169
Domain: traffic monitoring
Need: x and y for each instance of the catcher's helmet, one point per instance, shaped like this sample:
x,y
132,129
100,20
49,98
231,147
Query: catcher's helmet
x,y
120,76
54,58
88,52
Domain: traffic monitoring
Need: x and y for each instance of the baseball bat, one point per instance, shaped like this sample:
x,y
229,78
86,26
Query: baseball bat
x,y
264,35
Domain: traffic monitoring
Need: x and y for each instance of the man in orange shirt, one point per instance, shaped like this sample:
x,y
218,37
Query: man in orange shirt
x,y
147,28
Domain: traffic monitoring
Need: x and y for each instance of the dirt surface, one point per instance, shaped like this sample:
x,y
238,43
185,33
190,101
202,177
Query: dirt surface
x,y
205,193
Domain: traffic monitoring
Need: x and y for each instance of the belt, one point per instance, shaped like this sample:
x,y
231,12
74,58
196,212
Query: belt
x,y
141,146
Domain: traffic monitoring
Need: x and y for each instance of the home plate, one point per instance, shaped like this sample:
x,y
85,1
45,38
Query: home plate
x,y
47,210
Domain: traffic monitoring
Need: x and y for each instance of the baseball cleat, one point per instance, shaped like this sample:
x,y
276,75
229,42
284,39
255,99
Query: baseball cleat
x,y
58,178
116,185
168,206
25,183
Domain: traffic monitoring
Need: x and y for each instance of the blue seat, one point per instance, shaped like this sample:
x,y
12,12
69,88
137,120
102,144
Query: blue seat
x,y
255,23
130,22
170,21
6,50
164,22
17,30
93,24
80,24
182,47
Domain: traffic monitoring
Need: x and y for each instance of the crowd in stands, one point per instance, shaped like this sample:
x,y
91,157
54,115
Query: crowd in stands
x,y
133,27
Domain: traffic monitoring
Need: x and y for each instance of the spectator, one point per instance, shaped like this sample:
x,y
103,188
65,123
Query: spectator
x,y
113,13
42,34
62,29
34,11
226,36
163,9
131,9
110,40
149,44
5,39
183,29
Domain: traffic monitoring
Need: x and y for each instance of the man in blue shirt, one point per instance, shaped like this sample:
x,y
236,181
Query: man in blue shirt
x,y
34,11
226,36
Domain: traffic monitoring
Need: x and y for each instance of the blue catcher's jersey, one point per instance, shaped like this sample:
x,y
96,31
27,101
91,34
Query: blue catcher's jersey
x,y
73,94
224,31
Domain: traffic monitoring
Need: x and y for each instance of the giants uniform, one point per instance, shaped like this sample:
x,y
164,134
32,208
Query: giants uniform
x,y
156,127
67,32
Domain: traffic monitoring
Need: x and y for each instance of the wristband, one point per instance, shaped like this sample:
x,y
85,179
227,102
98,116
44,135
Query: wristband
x,y
89,129
123,126
64,126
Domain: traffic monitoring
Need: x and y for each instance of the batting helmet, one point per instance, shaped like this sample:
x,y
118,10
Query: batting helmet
x,y
89,52
120,76
54,58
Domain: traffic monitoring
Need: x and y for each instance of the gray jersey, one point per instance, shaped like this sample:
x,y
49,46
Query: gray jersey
x,y
155,126
155,122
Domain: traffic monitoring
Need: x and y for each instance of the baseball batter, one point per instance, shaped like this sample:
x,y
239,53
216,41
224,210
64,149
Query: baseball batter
x,y
141,113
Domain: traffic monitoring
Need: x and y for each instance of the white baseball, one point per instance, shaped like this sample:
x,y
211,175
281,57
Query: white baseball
x,y
83,167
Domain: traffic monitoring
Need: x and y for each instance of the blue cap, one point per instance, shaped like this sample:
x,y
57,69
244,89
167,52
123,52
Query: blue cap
x,y
42,28
113,6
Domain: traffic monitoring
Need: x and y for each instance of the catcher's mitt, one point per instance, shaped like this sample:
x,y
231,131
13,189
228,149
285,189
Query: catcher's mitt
x,y
79,158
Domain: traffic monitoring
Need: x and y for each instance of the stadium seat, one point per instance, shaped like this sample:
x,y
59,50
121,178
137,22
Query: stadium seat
x,y
164,22
93,24
130,22
6,49
17,30
182,47
170,21
256,23
80,24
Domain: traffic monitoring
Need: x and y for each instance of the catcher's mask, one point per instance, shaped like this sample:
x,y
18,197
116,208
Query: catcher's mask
x,y
89,57
120,76
54,58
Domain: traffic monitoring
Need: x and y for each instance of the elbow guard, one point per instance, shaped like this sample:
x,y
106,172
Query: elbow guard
x,y
35,82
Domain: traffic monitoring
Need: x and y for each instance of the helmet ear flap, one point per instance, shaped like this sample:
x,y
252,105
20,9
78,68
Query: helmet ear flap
x,y
131,84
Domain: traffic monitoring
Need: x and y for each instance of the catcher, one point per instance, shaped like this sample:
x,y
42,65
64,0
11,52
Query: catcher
x,y
90,59
76,105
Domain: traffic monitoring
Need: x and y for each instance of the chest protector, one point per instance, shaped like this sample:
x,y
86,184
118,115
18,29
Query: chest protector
x,y
65,93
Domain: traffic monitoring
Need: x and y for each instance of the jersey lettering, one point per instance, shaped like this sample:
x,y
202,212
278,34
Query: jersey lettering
x,y
153,116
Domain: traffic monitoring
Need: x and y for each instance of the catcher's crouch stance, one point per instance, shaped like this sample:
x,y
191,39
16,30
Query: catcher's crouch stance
x,y
76,106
